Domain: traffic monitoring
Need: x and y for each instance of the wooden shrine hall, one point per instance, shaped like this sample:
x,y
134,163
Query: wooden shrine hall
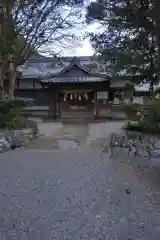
x,y
71,92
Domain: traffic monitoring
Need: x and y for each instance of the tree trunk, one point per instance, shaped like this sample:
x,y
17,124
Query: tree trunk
x,y
12,79
2,94
2,76
157,24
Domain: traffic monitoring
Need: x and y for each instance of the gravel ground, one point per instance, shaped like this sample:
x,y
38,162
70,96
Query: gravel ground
x,y
77,194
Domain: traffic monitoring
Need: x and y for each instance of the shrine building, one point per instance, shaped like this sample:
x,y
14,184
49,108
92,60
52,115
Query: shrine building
x,y
69,91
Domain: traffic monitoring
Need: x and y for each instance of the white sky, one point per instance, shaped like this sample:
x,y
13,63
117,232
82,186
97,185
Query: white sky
x,y
85,48
80,47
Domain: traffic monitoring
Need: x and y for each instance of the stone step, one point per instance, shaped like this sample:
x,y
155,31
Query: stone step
x,y
76,114
76,120
77,117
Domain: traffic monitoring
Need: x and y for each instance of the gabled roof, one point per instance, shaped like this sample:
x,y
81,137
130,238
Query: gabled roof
x,y
74,63
74,73
42,68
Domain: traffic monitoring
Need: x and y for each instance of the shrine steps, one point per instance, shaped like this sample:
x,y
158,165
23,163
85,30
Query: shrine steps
x,y
79,116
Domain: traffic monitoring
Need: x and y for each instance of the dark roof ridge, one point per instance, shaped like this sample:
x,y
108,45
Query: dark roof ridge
x,y
76,62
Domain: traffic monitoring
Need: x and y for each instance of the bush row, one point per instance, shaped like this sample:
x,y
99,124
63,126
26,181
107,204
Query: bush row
x,y
10,112
146,117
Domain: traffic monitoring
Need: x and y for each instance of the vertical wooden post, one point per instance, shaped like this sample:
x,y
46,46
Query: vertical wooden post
x,y
53,102
96,106
57,103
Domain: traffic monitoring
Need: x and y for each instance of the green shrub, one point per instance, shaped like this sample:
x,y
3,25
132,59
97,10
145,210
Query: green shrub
x,y
147,117
10,112
141,127
131,110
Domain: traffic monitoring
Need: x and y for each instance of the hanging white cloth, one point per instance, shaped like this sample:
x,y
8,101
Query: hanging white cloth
x,y
80,98
71,97
86,96
65,98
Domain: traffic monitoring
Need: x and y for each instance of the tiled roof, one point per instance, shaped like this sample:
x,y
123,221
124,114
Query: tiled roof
x,y
75,72
38,69
144,87
41,68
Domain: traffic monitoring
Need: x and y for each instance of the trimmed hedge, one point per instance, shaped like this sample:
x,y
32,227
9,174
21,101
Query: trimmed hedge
x,y
147,117
142,128
10,112
131,111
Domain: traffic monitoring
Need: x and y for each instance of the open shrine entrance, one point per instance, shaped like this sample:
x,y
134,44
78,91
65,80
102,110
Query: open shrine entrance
x,y
74,100
76,103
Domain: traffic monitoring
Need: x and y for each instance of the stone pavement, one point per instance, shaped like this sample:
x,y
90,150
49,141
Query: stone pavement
x,y
76,193
64,136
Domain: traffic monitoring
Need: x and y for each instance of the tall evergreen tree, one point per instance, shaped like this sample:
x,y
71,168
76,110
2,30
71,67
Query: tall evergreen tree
x,y
130,41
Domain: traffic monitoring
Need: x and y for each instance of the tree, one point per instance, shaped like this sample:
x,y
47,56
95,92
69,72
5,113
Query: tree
x,y
36,22
130,42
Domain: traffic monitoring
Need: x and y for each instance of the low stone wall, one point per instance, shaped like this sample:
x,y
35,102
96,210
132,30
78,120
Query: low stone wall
x,y
136,143
114,112
11,139
36,111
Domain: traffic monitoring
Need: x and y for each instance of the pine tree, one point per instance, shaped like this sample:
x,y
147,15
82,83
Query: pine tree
x,y
130,41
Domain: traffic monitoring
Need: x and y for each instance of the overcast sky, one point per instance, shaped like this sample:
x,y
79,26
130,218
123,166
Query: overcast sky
x,y
77,48
84,49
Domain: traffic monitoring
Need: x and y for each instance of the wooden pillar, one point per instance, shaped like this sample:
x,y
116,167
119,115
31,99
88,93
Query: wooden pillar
x,y
96,107
58,104
53,102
